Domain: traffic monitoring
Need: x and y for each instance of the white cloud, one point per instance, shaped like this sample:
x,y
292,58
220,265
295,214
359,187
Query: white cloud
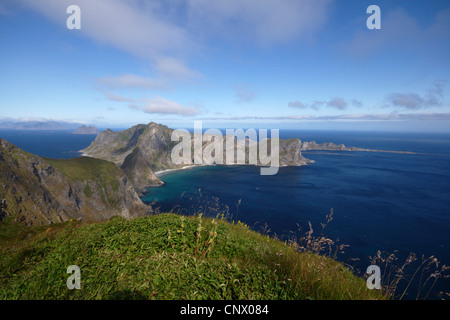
x,y
399,31
141,29
356,103
297,104
345,117
413,101
244,94
157,105
265,22
163,106
336,103
117,98
133,81
167,33
409,101
175,67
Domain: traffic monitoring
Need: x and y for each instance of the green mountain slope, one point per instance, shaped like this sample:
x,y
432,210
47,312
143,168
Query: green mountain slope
x,y
37,191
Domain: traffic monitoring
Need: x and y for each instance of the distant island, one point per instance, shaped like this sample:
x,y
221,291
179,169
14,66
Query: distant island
x,y
37,125
86,130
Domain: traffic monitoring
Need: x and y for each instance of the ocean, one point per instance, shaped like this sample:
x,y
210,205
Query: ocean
x,y
57,144
395,203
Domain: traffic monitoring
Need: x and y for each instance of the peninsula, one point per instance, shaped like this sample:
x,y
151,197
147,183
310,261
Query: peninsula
x,y
143,150
329,146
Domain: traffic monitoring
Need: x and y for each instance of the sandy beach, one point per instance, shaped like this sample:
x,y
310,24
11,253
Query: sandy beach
x,y
163,172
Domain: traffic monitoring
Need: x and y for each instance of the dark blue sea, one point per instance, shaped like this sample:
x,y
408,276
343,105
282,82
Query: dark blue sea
x,y
57,144
381,201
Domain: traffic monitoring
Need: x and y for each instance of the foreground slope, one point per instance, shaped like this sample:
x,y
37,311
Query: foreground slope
x,y
166,256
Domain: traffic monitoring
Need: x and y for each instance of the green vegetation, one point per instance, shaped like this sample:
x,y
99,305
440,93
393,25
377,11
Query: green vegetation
x,y
166,256
88,169
87,191
9,229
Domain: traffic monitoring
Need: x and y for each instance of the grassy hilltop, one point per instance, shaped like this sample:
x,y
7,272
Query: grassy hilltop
x,y
165,256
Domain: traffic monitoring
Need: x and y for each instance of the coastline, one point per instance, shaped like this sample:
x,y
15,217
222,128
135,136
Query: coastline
x,y
163,172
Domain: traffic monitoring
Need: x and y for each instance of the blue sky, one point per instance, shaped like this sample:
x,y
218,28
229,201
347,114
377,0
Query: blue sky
x,y
231,63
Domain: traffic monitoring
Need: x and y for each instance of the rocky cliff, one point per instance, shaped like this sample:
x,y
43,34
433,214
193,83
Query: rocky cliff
x,y
37,190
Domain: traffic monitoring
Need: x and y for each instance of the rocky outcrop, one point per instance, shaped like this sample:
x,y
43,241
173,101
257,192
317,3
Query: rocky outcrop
x,y
137,167
309,146
115,146
39,191
290,153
